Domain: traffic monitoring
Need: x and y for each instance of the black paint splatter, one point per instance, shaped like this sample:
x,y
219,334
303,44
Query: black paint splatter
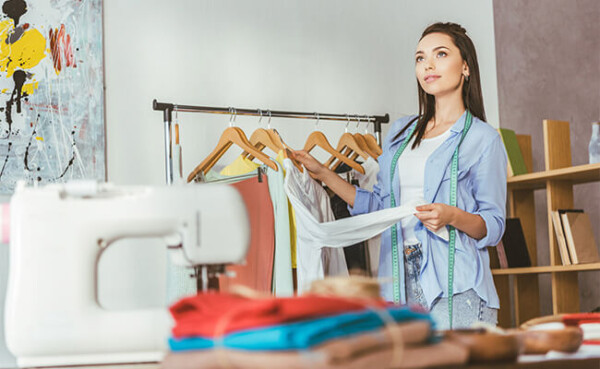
x,y
26,158
6,159
69,165
19,77
14,9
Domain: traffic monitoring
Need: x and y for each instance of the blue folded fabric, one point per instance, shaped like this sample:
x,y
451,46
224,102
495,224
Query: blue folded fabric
x,y
301,335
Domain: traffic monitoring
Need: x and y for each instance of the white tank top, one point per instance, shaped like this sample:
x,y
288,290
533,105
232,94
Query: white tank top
x,y
411,169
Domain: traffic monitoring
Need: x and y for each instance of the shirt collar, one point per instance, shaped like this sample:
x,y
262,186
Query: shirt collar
x,y
457,127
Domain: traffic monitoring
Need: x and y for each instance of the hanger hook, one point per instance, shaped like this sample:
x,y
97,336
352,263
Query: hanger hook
x,y
176,108
357,122
269,121
367,120
347,123
230,116
261,116
317,121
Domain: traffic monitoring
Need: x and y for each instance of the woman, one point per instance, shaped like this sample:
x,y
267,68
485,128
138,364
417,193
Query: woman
x,y
417,163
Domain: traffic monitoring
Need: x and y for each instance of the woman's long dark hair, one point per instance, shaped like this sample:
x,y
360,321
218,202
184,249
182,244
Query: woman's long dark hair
x,y
471,90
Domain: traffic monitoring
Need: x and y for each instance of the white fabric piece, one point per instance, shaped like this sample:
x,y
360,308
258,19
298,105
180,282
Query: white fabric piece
x,y
411,169
314,260
317,227
367,181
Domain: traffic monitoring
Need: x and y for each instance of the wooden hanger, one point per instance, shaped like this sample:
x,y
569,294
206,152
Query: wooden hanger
x,y
364,145
284,148
262,138
372,142
349,147
231,135
346,146
317,138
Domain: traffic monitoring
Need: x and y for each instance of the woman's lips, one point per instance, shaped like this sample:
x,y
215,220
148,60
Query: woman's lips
x,y
431,78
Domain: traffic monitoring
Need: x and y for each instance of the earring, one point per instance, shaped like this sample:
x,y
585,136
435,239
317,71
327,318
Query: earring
x,y
466,78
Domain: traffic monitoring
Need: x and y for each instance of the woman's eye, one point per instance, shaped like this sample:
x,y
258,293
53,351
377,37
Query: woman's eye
x,y
419,59
441,54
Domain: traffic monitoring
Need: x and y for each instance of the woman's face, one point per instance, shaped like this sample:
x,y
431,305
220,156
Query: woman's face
x,y
439,66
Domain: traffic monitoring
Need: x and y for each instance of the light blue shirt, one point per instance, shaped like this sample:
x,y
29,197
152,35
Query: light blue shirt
x,y
481,190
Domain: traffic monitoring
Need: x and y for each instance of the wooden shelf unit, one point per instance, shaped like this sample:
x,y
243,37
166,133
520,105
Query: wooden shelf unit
x,y
558,180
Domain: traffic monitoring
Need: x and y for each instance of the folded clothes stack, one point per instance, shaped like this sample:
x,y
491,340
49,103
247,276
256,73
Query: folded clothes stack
x,y
217,330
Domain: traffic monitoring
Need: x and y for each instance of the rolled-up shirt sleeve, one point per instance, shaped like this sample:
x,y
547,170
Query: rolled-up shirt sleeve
x,y
489,188
366,201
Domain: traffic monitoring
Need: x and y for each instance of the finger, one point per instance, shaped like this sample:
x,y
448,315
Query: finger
x,y
426,207
432,227
425,216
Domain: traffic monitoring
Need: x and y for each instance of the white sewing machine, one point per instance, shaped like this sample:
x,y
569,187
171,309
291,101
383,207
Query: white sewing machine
x,y
57,235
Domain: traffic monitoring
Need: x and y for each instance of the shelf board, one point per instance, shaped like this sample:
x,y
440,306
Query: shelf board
x,y
547,269
575,175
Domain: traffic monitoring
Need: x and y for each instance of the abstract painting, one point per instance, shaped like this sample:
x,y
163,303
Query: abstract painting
x,y
51,92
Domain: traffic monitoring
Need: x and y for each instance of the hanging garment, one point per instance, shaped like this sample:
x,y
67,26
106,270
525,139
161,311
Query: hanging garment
x,y
314,260
240,165
363,255
304,334
356,257
257,271
283,284
208,314
367,181
282,269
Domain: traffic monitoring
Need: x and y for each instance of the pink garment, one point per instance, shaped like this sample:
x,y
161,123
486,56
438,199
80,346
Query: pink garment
x,y
257,272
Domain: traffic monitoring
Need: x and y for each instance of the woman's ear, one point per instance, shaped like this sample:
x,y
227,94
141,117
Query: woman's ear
x,y
466,71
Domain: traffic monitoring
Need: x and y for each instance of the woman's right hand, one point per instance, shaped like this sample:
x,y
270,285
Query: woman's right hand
x,y
321,173
310,163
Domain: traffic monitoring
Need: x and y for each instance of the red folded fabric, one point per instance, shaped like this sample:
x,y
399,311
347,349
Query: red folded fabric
x,y
580,318
215,314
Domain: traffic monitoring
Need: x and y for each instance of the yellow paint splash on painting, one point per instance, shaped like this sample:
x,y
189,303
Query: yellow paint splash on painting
x,y
4,90
40,138
30,87
24,53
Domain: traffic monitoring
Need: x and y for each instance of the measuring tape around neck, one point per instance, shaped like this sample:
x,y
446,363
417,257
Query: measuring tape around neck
x,y
452,241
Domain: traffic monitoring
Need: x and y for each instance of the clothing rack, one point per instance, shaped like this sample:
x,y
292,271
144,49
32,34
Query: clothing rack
x,y
168,108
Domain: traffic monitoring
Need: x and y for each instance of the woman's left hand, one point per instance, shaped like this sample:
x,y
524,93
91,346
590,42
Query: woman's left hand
x,y
435,216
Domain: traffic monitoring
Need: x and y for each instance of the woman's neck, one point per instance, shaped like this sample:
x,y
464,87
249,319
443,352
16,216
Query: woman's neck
x,y
449,108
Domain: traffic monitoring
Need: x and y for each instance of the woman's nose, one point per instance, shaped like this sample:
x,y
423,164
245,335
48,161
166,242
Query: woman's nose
x,y
429,64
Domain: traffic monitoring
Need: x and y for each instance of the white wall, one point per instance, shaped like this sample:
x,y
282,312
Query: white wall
x,y
339,56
